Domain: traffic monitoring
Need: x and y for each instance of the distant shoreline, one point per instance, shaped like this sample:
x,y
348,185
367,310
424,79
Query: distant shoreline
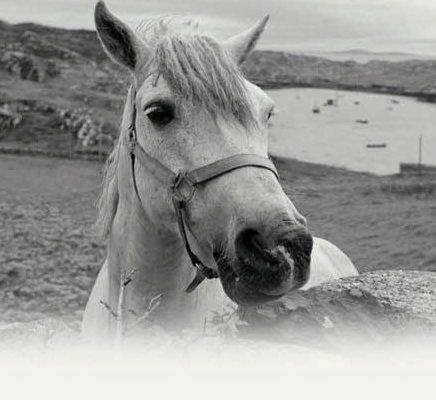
x,y
424,97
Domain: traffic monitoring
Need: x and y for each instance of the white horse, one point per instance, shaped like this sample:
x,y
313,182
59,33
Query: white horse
x,y
191,107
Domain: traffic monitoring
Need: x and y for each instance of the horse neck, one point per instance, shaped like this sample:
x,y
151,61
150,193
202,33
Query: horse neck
x,y
160,263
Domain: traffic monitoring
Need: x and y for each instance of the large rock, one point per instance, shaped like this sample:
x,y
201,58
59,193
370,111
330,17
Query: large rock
x,y
375,308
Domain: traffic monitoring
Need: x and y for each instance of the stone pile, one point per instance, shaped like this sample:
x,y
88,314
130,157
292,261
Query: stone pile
x,y
79,122
9,118
24,66
86,129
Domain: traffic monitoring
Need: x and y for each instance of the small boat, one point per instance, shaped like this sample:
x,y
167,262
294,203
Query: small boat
x,y
329,102
316,110
356,103
393,101
376,145
362,121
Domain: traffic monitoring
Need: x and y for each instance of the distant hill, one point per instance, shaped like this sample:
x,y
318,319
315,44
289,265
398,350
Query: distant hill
x,y
276,69
55,82
363,56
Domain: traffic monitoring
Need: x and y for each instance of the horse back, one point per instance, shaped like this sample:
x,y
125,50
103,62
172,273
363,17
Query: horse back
x,y
328,262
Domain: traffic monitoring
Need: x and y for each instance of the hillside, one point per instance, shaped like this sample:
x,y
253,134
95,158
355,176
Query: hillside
x,y
277,69
59,90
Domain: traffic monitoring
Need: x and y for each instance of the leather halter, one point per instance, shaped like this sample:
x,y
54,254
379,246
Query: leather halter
x,y
183,184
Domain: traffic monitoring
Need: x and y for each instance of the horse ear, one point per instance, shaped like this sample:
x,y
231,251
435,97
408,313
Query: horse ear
x,y
240,46
119,41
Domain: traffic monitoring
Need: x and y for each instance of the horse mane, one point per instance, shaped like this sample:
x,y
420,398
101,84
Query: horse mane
x,y
197,69
107,203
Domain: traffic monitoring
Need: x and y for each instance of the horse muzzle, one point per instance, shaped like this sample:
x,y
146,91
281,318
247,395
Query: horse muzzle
x,y
266,266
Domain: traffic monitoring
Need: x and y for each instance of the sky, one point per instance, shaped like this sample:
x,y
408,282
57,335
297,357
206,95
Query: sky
x,y
296,25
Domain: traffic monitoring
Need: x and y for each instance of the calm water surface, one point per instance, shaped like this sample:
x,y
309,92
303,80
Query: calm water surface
x,y
334,137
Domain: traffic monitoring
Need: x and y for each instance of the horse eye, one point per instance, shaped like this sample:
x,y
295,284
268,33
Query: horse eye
x,y
160,114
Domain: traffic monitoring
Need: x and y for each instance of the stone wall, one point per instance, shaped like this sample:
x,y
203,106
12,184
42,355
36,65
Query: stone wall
x,y
371,310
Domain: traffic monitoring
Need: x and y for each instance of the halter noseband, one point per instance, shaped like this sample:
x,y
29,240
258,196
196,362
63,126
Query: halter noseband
x,y
183,184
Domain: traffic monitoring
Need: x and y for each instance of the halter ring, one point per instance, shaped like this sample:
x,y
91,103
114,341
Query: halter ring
x,y
183,188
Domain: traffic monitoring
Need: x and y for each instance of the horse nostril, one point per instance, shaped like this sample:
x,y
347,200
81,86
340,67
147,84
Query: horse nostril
x,y
250,240
279,257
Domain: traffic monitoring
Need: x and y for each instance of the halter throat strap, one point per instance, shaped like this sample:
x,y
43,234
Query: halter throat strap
x,y
184,183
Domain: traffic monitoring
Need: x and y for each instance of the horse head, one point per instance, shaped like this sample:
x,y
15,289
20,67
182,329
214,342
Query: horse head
x,y
193,107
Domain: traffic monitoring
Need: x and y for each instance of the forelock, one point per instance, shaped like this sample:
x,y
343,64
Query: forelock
x,y
198,69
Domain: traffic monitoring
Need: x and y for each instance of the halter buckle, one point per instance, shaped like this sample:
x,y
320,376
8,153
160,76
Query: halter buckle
x,y
183,188
208,272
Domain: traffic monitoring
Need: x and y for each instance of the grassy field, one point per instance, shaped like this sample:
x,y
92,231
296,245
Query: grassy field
x,y
49,257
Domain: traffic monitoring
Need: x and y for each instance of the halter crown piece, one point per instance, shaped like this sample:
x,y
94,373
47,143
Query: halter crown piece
x,y
184,183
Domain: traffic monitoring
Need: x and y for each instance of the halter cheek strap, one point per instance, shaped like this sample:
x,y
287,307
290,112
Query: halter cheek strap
x,y
183,185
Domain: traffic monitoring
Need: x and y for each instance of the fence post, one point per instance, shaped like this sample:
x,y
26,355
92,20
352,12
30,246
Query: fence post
x,y
100,149
420,156
71,144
